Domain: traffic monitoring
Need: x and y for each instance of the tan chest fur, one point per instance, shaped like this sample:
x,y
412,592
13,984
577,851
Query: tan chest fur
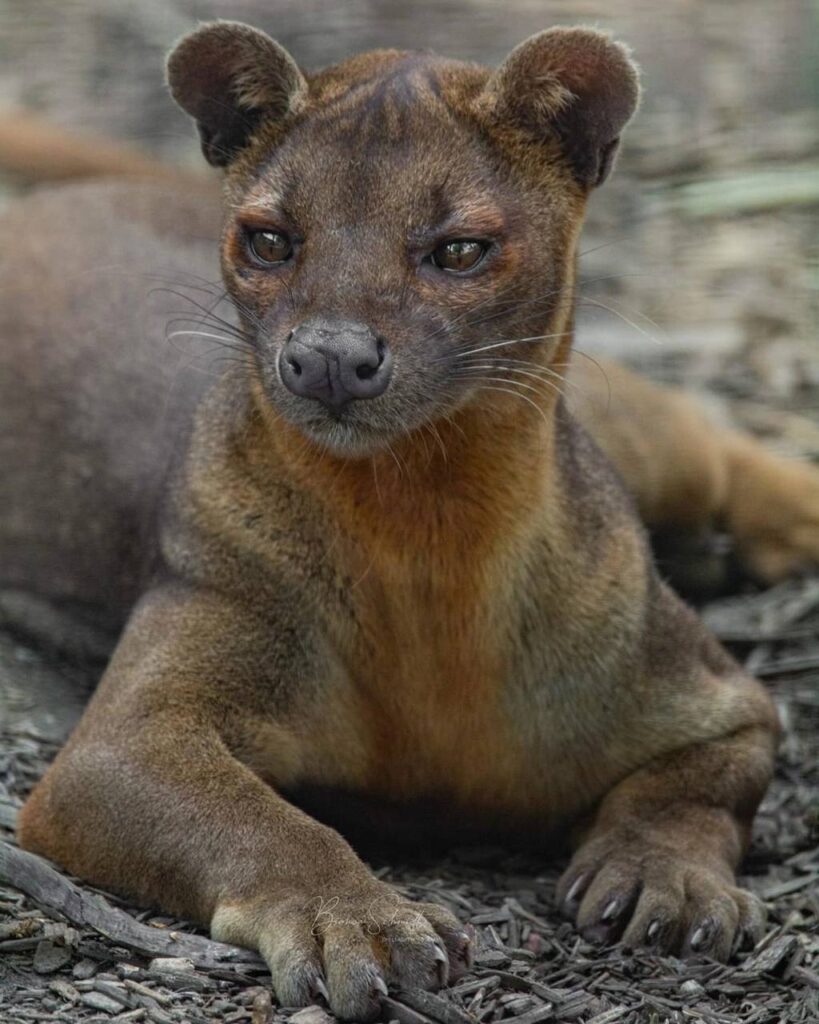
x,y
427,676
482,638
426,642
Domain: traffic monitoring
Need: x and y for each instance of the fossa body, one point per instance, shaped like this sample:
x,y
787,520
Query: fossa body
x,y
381,555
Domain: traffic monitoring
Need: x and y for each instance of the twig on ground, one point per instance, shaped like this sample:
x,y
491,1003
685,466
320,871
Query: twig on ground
x,y
55,894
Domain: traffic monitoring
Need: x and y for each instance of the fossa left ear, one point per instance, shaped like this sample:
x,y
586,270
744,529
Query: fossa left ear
x,y
228,76
573,83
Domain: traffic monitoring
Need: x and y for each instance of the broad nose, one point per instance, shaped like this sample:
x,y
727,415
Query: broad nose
x,y
335,362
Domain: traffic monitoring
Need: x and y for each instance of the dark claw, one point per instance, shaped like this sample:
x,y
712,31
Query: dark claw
x,y
743,940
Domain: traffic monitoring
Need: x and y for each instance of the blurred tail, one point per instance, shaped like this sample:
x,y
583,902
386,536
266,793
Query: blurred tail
x,y
35,150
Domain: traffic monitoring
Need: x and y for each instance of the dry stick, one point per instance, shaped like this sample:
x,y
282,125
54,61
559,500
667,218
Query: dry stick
x,y
427,1004
515,981
55,894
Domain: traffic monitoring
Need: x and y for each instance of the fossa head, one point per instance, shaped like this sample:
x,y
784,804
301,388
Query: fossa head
x,y
394,224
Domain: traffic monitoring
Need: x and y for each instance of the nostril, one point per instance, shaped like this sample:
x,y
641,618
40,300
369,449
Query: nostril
x,y
365,371
294,365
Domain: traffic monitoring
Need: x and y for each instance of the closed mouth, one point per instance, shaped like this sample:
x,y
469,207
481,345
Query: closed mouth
x,y
343,433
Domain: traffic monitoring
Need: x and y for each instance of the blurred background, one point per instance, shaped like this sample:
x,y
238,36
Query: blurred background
x,y
701,255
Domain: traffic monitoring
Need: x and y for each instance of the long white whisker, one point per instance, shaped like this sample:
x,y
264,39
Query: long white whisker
x,y
516,394
514,383
395,460
440,441
518,365
602,305
499,344
559,291
201,334
544,377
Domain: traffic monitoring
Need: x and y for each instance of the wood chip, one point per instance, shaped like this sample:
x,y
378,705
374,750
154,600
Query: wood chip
x,y
771,957
97,1001
50,958
311,1015
544,1012
261,1009
64,989
434,1006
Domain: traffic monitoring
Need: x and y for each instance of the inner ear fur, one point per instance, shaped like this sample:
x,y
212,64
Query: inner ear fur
x,y
574,83
227,75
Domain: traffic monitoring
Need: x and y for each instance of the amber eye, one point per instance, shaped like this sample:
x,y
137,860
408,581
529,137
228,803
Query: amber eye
x,y
459,255
269,246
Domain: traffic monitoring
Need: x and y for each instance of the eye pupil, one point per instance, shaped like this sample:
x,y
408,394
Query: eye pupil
x,y
270,246
459,255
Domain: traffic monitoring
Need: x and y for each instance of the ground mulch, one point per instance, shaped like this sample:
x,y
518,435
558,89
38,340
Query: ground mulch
x,y
530,965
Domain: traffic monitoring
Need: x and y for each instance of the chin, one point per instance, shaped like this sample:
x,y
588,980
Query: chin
x,y
346,439
356,432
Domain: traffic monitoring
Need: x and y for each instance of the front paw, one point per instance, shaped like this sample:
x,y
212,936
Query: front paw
x,y
343,947
652,895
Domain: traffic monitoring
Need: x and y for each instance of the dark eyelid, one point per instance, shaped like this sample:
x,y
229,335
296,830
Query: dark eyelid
x,y
479,218
426,240
251,220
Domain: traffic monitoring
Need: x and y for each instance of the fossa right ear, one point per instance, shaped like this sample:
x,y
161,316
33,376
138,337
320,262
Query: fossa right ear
x,y
573,84
228,76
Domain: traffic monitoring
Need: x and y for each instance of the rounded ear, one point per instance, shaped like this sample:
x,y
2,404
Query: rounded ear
x,y
573,83
227,75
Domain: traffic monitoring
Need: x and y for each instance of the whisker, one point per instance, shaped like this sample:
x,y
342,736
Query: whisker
x,y
602,369
504,360
603,245
546,296
462,316
438,439
516,394
373,463
205,283
611,309
451,421
395,460
542,373
199,334
500,344
514,383
207,311
201,320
